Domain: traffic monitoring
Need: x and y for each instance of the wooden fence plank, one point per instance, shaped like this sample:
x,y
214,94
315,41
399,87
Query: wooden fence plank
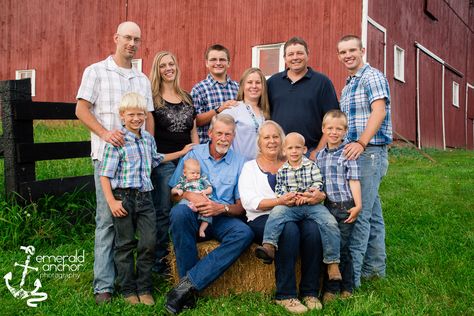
x,y
51,151
37,189
24,110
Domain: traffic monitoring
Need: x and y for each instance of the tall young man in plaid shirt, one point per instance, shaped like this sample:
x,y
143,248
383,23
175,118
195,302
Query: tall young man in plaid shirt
x,y
102,87
297,176
343,198
366,101
125,179
216,93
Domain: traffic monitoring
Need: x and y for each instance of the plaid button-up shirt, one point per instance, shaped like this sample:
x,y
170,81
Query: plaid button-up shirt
x,y
129,166
365,87
299,179
337,171
208,95
103,85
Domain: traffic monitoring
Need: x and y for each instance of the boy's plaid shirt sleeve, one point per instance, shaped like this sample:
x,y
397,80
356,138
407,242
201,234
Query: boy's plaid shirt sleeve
x,y
317,179
110,161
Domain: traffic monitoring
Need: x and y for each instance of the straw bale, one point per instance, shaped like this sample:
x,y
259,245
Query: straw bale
x,y
247,274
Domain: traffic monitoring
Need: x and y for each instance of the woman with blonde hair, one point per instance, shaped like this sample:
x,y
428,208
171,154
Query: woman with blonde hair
x,y
175,126
251,110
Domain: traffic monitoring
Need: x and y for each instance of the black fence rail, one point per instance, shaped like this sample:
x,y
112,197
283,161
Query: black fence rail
x,y
19,150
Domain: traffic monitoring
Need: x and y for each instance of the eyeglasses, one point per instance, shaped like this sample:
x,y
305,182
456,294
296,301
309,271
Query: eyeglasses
x,y
128,38
215,60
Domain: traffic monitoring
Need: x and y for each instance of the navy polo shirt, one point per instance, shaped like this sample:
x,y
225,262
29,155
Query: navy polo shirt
x,y
300,106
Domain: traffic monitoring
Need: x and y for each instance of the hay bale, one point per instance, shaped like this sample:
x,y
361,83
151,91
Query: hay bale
x,y
247,274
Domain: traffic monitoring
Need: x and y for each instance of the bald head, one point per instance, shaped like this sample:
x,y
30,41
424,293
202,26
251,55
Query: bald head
x,y
128,27
293,138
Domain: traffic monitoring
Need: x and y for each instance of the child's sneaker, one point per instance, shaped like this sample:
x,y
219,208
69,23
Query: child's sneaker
x,y
293,305
132,299
333,272
266,253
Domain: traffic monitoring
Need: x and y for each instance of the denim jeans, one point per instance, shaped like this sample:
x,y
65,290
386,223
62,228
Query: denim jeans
x,y
104,268
234,237
297,238
140,220
162,201
367,245
345,266
280,215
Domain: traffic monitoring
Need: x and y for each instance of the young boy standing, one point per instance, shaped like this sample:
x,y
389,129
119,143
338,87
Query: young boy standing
x,y
343,195
125,178
300,175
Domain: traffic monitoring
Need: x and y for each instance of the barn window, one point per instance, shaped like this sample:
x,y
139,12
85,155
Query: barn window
x,y
399,63
137,63
28,73
269,58
455,94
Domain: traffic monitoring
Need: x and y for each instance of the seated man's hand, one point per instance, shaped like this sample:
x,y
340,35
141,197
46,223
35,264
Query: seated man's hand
x,y
194,197
209,208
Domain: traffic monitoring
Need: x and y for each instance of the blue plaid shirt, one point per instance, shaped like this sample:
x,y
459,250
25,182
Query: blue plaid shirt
x,y
300,179
365,87
208,95
129,166
336,171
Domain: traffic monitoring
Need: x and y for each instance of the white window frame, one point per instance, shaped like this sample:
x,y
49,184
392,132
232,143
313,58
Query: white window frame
x,y
455,94
398,63
137,63
30,73
256,55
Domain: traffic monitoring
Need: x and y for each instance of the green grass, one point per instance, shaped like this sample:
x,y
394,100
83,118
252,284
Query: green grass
x,y
428,210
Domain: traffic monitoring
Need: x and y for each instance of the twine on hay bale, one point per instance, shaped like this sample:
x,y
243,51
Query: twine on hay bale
x,y
247,274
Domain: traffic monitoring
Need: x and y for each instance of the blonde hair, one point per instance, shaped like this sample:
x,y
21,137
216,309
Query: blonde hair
x,y
263,103
333,114
157,82
280,132
191,163
132,101
297,136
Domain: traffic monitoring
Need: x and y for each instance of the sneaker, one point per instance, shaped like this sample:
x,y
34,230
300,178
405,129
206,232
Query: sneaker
x,y
102,298
266,253
333,272
293,305
132,299
312,302
328,297
346,294
146,299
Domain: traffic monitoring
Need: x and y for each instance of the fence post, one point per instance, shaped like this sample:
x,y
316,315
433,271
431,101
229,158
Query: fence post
x,y
15,132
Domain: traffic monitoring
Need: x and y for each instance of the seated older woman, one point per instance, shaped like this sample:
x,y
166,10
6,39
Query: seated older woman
x,y
256,186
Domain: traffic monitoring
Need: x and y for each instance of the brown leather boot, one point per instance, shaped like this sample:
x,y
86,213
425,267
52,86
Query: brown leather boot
x,y
333,272
266,253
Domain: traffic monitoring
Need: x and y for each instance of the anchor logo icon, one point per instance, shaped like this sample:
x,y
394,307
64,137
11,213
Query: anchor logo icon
x,y
33,296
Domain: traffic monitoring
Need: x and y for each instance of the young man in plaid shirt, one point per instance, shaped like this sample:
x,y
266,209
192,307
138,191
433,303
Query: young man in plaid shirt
x,y
298,176
343,196
125,178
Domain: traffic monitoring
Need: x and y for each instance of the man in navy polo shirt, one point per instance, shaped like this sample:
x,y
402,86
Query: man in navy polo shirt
x,y
300,97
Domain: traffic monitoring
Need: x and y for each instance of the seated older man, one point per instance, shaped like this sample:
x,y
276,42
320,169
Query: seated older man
x,y
222,167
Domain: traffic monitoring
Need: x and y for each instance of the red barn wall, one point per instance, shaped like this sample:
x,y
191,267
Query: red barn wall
x,y
448,37
60,38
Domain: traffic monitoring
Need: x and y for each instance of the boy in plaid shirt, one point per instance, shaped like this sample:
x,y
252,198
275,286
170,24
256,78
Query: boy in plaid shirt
x,y
297,176
343,195
125,178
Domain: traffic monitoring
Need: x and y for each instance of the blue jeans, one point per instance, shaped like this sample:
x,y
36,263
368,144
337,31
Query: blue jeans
x,y
141,221
297,238
345,266
162,201
367,245
234,237
104,268
280,215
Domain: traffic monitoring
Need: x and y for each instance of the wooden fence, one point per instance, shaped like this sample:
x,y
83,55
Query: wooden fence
x,y
19,150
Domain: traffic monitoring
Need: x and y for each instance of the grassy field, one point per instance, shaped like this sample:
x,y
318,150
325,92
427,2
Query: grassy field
x,y
428,211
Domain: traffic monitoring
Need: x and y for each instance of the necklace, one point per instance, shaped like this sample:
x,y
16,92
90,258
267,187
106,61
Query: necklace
x,y
255,120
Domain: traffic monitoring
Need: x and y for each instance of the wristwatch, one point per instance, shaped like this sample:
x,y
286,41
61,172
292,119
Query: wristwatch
x,y
226,210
